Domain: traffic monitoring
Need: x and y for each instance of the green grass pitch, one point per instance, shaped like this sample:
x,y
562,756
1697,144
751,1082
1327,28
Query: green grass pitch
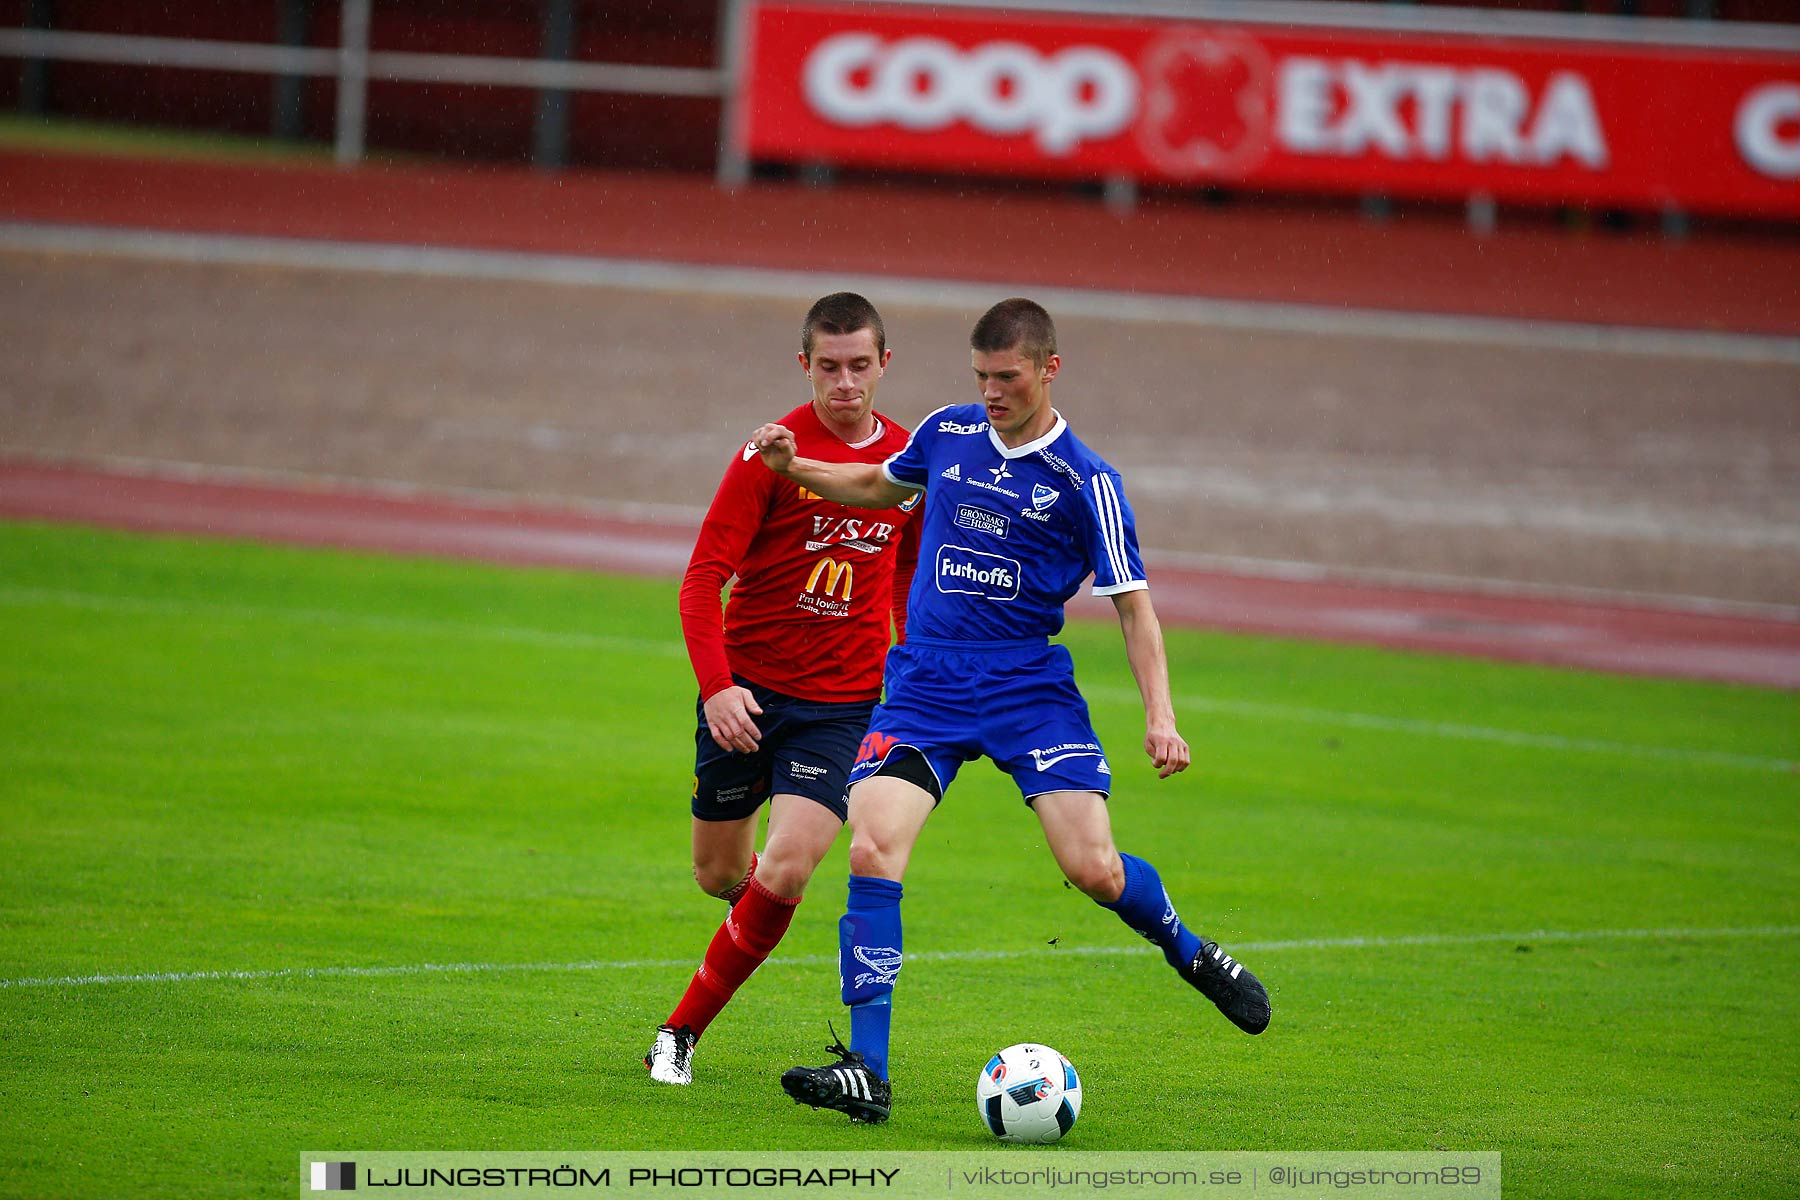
x,y
331,772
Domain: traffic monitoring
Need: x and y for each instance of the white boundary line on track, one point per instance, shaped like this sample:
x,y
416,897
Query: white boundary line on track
x,y
642,275
819,960
24,596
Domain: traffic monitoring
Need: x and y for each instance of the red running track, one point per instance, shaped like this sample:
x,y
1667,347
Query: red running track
x,y
1417,263
1533,629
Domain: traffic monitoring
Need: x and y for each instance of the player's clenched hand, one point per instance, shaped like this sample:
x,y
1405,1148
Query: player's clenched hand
x,y
776,442
728,713
1167,749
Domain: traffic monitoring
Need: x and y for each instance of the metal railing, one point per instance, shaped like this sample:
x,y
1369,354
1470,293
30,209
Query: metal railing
x,y
353,65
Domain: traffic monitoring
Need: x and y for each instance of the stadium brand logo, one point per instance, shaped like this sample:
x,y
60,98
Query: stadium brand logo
x,y
970,516
832,572
1767,130
1051,755
959,427
970,572
334,1177
1077,94
1217,104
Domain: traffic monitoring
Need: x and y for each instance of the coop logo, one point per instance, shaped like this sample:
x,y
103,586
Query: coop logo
x,y
334,1177
960,569
1219,104
1076,94
1206,104
1767,130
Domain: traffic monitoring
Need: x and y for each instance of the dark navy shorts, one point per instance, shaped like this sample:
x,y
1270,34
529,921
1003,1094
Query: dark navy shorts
x,y
1013,702
806,749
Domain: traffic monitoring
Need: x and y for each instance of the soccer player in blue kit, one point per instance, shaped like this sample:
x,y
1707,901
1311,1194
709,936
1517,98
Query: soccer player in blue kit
x,y
1018,513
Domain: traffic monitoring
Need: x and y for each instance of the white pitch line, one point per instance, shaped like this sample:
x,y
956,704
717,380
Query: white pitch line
x,y
1451,729
820,960
26,596
1140,307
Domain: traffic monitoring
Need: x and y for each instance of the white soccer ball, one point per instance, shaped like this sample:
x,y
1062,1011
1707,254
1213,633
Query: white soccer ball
x,y
1028,1093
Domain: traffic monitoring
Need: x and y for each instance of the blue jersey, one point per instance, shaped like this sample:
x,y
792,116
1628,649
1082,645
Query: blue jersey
x,y
1009,534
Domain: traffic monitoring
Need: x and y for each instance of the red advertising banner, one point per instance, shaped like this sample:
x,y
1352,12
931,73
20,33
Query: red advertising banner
x,y
1068,96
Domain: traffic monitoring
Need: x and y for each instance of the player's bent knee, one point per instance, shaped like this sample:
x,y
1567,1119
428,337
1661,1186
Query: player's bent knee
x,y
868,857
715,878
1100,878
787,878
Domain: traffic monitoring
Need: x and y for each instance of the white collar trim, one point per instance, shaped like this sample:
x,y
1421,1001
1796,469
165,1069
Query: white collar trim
x,y
872,438
1031,447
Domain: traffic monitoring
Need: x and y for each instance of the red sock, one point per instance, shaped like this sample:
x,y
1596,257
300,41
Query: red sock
x,y
750,933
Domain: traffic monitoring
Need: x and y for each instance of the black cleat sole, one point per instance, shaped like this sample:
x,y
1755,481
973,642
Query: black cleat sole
x,y
1241,998
807,1088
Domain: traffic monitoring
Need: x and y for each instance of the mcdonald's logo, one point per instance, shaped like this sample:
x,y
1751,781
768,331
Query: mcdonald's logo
x,y
832,571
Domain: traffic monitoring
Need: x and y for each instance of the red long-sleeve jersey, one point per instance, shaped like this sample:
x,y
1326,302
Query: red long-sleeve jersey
x,y
816,581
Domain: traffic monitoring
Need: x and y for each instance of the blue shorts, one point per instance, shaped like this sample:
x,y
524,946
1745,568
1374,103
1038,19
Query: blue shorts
x,y
1013,702
805,750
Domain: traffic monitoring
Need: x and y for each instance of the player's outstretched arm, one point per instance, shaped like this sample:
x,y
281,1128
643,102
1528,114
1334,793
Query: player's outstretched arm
x,y
1167,749
861,485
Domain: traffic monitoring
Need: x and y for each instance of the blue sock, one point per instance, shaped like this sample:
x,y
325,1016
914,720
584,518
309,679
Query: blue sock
x,y
1145,906
868,963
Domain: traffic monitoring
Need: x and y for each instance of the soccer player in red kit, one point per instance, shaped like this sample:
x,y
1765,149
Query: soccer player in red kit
x,y
788,682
